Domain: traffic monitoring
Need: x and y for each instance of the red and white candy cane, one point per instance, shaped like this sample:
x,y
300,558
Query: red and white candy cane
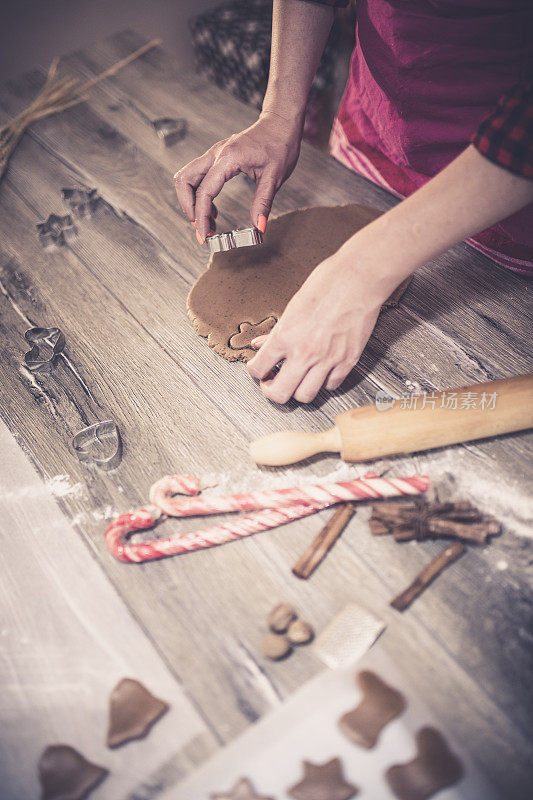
x,y
272,508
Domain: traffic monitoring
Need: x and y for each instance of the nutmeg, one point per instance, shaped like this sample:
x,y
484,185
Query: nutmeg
x,y
300,632
281,617
275,646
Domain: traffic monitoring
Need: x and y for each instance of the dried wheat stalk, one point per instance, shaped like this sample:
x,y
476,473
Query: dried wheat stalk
x,y
56,95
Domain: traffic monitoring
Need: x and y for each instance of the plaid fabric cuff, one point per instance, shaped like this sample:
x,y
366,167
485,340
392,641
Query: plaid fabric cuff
x,y
506,135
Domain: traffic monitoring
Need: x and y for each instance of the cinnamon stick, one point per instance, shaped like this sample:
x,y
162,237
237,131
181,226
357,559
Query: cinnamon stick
x,y
428,574
407,521
325,540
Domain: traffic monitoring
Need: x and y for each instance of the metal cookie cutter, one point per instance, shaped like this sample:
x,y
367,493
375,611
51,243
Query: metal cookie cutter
x,y
242,237
82,202
56,230
170,130
55,341
99,444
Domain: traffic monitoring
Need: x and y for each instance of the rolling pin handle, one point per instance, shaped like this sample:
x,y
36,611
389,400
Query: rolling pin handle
x,y
288,447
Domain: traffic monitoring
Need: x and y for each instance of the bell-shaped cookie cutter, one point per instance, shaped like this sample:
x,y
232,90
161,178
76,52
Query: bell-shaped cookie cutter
x,y
53,337
89,442
242,237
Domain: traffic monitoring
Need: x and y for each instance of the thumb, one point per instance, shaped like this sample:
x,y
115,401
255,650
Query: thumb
x,y
259,340
262,202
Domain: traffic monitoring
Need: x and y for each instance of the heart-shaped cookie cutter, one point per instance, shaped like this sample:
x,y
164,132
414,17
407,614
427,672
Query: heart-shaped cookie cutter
x,y
52,337
99,444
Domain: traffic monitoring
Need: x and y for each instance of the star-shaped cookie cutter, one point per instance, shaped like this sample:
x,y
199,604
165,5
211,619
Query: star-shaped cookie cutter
x,y
99,444
242,237
56,230
52,337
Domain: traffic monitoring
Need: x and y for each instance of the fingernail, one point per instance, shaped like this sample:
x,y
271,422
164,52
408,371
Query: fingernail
x,y
262,222
199,238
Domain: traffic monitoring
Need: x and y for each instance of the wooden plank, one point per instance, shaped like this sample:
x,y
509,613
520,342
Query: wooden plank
x,y
67,639
462,290
154,405
133,120
399,341
276,550
154,86
111,245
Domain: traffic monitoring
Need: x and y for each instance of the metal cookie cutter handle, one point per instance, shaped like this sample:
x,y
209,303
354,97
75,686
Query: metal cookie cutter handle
x,y
242,237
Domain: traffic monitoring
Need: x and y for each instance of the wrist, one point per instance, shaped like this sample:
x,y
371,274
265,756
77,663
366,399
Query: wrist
x,y
290,110
376,260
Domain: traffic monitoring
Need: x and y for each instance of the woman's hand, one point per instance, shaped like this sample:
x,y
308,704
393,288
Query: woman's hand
x,y
321,334
267,152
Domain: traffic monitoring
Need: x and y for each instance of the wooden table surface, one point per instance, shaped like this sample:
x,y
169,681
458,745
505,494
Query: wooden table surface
x,y
118,292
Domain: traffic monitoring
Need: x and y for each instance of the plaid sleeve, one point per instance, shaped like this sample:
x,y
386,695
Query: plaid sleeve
x,y
506,135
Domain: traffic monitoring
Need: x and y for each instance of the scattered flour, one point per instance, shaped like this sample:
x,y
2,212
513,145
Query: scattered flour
x,y
58,486
462,474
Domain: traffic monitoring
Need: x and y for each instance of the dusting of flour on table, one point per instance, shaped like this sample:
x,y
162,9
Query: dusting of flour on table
x,y
58,486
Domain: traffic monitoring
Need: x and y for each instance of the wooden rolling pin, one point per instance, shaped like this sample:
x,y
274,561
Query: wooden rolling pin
x,y
365,433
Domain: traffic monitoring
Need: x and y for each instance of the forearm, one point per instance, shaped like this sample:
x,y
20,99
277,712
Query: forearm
x,y
469,195
299,32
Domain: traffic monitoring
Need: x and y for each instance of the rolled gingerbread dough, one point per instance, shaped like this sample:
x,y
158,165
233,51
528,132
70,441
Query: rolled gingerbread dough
x,y
243,292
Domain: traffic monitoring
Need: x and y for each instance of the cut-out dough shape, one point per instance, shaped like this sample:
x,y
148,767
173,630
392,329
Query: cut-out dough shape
x,y
248,331
379,706
243,790
323,782
66,775
249,285
434,768
132,712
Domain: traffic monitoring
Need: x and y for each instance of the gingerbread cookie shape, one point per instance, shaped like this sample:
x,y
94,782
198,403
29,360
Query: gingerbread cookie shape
x,y
323,782
434,768
65,774
379,706
132,712
244,291
243,790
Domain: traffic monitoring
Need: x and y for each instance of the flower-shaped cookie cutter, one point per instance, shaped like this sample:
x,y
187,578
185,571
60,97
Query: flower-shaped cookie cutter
x,y
82,202
242,237
54,340
99,444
